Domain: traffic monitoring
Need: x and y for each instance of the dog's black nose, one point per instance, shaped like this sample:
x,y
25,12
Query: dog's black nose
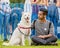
x,y
27,17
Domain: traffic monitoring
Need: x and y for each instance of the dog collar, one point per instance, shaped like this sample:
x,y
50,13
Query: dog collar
x,y
24,27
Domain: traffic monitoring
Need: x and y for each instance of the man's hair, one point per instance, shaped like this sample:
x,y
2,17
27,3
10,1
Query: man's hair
x,y
44,10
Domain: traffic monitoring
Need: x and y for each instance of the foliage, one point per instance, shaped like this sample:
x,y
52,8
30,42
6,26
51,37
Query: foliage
x,y
17,1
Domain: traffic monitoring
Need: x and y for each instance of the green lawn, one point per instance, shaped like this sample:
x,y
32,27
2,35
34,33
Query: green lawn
x,y
27,46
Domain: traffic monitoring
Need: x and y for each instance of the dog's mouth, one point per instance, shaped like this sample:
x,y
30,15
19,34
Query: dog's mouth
x,y
27,19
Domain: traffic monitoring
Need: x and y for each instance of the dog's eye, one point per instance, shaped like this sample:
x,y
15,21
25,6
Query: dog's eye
x,y
25,15
28,15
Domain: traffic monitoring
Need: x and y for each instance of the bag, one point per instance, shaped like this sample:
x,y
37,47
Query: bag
x,y
33,24
49,27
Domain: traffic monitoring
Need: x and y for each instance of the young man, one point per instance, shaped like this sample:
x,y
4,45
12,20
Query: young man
x,y
44,29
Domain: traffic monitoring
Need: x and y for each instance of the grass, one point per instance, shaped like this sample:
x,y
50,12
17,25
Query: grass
x,y
27,46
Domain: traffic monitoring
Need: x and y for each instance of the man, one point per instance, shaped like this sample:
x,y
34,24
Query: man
x,y
44,29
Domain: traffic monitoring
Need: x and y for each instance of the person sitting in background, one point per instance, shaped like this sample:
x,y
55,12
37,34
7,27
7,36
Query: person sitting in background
x,y
44,30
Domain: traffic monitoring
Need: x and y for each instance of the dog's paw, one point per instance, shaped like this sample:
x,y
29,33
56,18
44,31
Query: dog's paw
x,y
5,44
23,44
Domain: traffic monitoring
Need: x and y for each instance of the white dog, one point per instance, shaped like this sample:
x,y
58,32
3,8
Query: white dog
x,y
21,31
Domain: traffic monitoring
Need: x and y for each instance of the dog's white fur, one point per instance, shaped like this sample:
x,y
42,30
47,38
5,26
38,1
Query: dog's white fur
x,y
17,37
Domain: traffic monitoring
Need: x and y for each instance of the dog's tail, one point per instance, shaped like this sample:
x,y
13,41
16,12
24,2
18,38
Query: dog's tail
x,y
5,44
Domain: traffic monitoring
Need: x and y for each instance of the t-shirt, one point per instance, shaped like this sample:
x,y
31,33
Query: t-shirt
x,y
42,28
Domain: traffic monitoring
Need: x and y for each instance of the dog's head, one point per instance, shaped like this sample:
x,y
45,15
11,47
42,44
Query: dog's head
x,y
26,16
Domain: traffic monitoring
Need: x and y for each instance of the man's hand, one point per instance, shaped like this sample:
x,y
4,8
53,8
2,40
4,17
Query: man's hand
x,y
41,36
45,36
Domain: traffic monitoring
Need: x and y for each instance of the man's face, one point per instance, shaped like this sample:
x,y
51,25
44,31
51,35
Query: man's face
x,y
41,16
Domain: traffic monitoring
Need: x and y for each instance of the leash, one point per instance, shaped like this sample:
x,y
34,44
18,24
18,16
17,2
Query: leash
x,y
22,32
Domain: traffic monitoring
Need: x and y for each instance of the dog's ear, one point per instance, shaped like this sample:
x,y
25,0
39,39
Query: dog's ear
x,y
29,14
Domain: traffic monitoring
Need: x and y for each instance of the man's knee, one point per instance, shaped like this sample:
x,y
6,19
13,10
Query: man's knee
x,y
33,37
51,39
55,38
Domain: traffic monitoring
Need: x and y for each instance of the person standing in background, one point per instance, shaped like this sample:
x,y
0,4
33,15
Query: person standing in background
x,y
53,14
34,13
6,9
58,21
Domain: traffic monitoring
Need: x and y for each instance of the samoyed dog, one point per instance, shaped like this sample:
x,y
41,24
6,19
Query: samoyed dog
x,y
22,31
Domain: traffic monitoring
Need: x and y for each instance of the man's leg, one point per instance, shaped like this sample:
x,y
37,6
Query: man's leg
x,y
38,40
51,39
